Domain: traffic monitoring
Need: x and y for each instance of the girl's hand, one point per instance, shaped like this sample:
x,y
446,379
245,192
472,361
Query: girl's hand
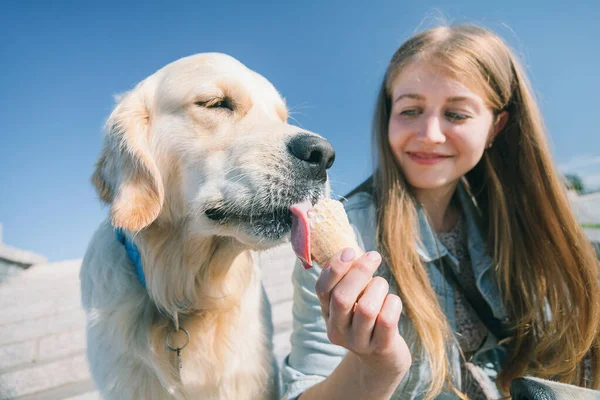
x,y
360,314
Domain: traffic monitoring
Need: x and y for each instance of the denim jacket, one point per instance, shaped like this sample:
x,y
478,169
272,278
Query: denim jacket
x,y
313,357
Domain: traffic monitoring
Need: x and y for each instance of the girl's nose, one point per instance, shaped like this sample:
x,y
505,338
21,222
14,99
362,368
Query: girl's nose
x,y
430,131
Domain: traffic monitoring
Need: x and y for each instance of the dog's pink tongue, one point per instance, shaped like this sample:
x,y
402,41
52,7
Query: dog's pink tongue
x,y
301,232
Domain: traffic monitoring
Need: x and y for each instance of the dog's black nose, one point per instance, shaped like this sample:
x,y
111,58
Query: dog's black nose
x,y
316,152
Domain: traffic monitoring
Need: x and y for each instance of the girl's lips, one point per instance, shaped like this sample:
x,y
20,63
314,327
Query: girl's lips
x,y
427,158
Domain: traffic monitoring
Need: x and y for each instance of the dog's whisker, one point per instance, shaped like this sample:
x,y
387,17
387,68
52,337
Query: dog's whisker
x,y
297,122
297,113
299,106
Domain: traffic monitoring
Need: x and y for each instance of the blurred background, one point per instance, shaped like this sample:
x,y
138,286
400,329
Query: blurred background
x,y
62,63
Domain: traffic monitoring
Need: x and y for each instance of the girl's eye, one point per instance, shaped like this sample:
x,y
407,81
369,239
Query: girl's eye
x,y
456,117
410,112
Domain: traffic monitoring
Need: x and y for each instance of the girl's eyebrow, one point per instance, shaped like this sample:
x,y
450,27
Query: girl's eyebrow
x,y
456,99
453,99
409,96
468,99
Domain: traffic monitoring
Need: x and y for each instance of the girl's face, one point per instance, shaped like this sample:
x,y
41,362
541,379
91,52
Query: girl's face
x,y
438,128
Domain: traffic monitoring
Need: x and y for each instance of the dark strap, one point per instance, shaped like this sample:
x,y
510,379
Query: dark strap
x,y
476,300
134,254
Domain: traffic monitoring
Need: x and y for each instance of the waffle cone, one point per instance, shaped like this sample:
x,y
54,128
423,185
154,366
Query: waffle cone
x,y
330,230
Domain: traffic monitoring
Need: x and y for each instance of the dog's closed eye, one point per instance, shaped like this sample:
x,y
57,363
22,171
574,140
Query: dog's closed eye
x,y
224,103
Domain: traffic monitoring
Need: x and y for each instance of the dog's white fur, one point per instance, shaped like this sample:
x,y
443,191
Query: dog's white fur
x,y
202,133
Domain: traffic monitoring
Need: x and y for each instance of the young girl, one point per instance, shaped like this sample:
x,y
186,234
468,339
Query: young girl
x,y
481,252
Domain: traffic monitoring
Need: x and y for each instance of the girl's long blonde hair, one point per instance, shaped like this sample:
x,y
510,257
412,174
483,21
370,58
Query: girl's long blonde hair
x,y
546,269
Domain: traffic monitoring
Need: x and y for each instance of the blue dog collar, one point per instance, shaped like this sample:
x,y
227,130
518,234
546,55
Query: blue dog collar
x,y
134,254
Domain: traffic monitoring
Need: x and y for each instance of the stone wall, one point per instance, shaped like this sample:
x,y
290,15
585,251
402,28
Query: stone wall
x,y
13,260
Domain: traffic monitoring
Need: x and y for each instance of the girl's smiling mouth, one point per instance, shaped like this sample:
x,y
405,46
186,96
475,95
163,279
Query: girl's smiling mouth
x,y
427,158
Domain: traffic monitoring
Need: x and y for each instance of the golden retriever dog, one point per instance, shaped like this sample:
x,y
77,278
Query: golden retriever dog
x,y
199,168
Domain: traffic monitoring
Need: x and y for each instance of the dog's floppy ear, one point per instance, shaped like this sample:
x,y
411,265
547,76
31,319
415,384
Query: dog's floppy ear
x,y
126,175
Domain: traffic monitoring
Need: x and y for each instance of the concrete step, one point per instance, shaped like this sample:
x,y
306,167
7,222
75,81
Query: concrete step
x,y
38,378
279,294
282,313
17,354
42,328
80,390
86,396
65,304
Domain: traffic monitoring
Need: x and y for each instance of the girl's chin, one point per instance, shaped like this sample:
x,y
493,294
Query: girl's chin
x,y
421,184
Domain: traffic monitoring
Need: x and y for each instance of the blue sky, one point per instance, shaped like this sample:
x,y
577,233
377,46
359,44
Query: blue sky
x,y
62,62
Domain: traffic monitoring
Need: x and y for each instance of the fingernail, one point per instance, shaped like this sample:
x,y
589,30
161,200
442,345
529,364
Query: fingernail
x,y
348,254
373,256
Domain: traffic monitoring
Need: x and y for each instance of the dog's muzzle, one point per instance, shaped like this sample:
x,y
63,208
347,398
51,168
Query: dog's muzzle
x,y
302,176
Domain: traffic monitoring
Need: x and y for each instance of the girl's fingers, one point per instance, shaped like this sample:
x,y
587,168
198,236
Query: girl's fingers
x,y
386,325
347,291
366,311
331,275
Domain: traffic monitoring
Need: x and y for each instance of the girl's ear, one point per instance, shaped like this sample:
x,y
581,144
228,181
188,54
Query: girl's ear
x,y
499,124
